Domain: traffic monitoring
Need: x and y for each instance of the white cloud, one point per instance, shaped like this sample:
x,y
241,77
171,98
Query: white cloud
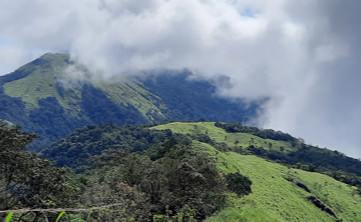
x,y
10,56
303,55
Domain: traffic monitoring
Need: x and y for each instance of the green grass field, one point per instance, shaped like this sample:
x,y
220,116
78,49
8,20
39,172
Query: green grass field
x,y
128,93
220,135
273,197
41,83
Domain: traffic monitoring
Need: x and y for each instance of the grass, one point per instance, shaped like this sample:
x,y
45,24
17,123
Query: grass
x,y
273,197
41,83
59,216
128,93
220,135
8,218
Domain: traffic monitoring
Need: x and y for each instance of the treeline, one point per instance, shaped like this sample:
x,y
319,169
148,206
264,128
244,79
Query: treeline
x,y
163,186
306,157
27,181
314,159
170,181
172,93
52,122
162,179
263,133
75,149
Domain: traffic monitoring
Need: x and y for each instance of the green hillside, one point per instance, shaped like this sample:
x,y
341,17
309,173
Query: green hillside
x,y
179,171
42,97
304,189
39,83
220,135
274,196
275,146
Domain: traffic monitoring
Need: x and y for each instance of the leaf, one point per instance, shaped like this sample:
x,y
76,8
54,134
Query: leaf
x,y
90,212
59,216
8,218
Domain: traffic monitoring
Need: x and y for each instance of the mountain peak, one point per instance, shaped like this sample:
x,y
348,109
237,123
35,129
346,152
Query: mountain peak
x,y
35,98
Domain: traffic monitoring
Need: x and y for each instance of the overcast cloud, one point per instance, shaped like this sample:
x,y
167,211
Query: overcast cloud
x,y
304,55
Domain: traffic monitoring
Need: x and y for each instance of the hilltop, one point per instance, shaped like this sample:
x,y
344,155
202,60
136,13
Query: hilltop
x,y
289,180
108,149
44,98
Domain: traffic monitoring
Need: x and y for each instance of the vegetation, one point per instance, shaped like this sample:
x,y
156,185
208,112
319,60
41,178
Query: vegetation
x,y
263,133
292,152
41,97
238,183
172,178
276,191
117,170
76,149
275,198
165,186
26,180
190,171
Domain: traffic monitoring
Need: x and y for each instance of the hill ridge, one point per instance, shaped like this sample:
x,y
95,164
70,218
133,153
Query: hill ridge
x,y
280,191
35,97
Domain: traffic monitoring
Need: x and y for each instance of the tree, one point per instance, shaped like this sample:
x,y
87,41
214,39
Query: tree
x,y
238,183
26,179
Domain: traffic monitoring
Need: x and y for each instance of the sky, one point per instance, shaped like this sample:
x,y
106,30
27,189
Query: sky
x,y
302,55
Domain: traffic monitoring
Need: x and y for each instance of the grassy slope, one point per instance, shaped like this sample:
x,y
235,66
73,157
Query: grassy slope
x,y
41,83
167,96
274,198
220,135
129,93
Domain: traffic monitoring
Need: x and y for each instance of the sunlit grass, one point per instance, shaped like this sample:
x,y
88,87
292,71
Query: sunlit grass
x,y
273,197
220,135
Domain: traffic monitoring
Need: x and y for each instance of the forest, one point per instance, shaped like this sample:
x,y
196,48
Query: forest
x,y
166,182
168,172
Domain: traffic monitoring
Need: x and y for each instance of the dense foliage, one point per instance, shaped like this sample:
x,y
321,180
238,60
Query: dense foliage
x,y
139,174
263,133
75,149
26,180
190,99
159,188
238,183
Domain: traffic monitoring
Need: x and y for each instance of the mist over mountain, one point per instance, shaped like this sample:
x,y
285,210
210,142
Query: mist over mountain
x,y
43,98
303,56
181,110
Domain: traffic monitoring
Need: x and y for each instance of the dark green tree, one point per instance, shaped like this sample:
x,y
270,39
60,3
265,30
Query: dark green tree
x,y
26,179
238,183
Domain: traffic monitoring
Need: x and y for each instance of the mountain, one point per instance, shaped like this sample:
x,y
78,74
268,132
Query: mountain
x,y
42,98
269,175
132,168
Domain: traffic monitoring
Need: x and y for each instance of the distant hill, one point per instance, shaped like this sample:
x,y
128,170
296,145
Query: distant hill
x,y
41,98
141,170
290,180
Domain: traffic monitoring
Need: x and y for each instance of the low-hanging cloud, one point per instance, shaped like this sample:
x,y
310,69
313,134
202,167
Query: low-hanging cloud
x,y
302,55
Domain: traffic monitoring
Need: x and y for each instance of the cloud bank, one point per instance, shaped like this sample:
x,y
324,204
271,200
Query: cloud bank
x,y
303,55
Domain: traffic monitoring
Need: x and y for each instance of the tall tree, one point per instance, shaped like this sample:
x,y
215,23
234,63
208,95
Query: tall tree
x,y
26,179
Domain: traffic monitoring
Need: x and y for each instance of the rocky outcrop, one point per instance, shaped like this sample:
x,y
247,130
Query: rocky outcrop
x,y
302,185
321,206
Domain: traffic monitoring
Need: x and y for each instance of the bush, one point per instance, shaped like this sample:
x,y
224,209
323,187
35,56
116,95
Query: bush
x,y
239,184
